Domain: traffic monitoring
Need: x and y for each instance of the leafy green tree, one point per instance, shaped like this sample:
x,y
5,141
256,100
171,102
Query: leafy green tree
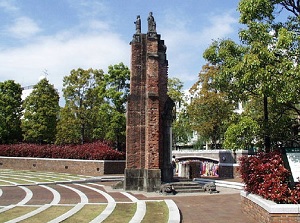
x,y
181,127
68,127
241,135
267,60
41,109
175,91
113,110
10,112
79,116
95,106
210,109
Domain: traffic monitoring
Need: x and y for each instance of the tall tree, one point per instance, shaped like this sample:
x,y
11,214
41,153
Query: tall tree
x,y
210,109
181,128
10,112
81,105
113,110
41,109
267,59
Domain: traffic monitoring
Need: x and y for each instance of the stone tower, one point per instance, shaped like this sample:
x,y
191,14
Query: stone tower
x,y
149,113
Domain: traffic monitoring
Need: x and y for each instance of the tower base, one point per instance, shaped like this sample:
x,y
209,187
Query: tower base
x,y
148,180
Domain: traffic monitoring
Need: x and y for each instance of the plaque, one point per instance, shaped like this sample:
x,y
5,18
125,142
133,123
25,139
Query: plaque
x,y
293,158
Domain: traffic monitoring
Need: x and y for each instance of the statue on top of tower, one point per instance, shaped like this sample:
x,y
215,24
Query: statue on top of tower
x,y
138,24
151,23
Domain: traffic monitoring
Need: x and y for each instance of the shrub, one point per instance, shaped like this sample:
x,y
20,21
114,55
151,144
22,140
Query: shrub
x,y
264,174
87,151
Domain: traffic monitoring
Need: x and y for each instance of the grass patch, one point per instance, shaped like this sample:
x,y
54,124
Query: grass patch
x,y
2,183
27,176
49,214
122,213
156,212
17,181
86,214
15,212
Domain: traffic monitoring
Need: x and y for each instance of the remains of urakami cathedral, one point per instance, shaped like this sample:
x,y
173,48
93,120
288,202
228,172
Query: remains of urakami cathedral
x,y
149,113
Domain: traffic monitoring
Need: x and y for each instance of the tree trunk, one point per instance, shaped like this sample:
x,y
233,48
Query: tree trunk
x,y
267,139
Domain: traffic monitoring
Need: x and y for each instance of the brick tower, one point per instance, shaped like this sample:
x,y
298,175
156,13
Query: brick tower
x,y
149,113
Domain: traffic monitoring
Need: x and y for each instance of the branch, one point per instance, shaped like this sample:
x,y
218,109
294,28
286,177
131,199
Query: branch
x,y
292,6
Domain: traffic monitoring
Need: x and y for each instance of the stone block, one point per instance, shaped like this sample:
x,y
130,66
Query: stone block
x,y
152,180
134,179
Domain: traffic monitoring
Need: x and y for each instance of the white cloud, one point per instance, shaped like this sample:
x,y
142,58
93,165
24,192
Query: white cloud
x,y
59,55
89,9
23,27
8,5
182,37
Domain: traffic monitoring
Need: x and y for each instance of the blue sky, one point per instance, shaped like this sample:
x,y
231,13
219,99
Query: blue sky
x,y
56,36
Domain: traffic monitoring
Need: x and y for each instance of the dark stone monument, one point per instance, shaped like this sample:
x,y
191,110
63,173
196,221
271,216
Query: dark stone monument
x,y
149,113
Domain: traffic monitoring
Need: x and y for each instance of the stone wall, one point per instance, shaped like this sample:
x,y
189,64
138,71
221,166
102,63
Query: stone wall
x,y
84,167
229,170
267,211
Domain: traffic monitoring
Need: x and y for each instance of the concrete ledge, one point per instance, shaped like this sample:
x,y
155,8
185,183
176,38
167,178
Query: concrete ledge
x,y
221,183
73,166
263,210
271,206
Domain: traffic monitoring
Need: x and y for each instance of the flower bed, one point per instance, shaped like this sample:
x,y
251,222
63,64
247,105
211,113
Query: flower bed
x,y
268,196
265,175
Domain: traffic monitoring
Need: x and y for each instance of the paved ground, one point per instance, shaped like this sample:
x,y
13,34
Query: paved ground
x,y
223,207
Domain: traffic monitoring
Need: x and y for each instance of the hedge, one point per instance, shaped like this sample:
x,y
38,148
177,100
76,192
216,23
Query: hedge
x,y
264,174
87,151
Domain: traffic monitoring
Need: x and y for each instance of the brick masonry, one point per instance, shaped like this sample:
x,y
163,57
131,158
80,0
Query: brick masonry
x,y
148,155
83,167
258,213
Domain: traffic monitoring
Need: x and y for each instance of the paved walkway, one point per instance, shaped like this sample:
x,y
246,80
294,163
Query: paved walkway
x,y
223,207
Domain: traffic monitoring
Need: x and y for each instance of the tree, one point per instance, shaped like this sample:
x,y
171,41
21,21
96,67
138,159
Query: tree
x,y
41,109
95,106
267,59
79,116
113,110
241,135
10,112
68,127
181,127
210,109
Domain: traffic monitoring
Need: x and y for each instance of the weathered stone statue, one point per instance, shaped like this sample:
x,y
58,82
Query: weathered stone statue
x,y
151,23
138,25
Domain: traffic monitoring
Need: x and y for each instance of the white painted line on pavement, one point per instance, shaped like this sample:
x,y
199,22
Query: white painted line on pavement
x,y
27,198
174,215
74,210
139,213
110,205
131,197
55,200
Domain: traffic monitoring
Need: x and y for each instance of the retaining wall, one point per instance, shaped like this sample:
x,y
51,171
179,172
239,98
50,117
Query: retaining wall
x,y
266,211
84,167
